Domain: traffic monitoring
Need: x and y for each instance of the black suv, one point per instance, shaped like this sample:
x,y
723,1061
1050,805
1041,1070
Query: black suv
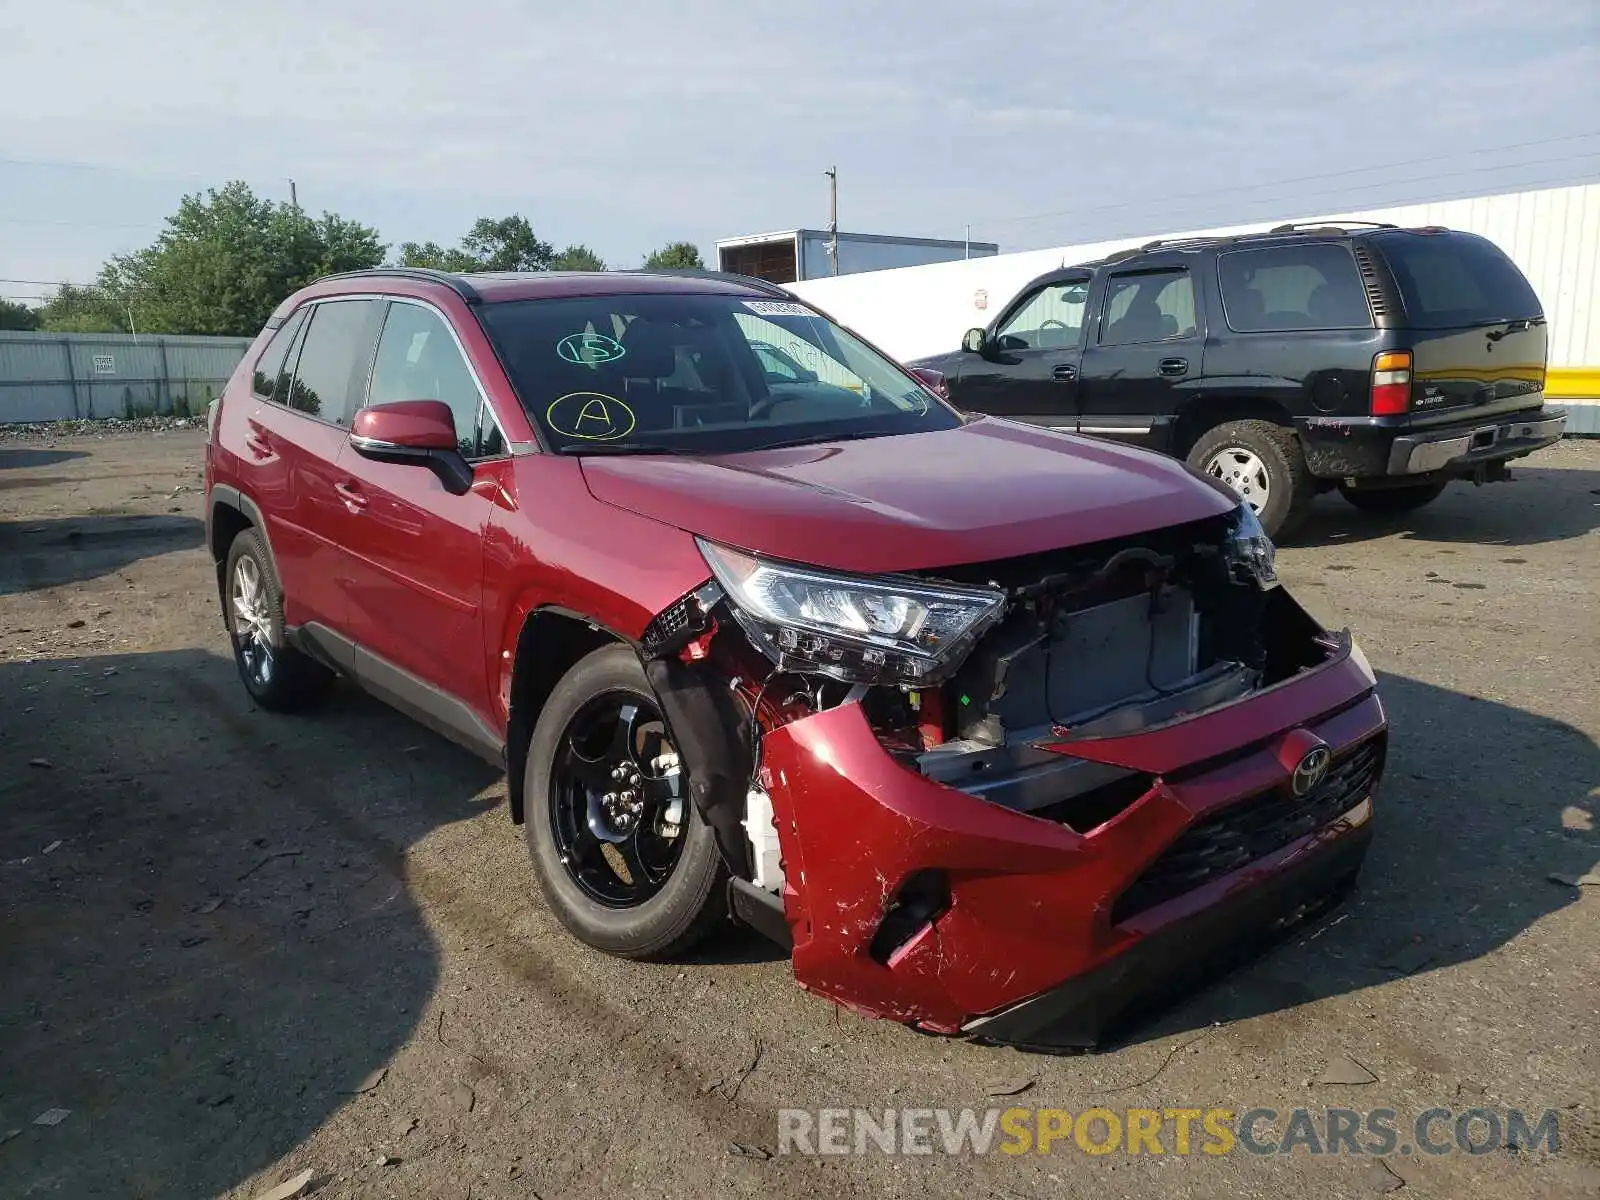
x,y
1378,360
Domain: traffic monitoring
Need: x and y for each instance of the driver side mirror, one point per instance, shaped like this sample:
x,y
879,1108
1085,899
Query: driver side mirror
x,y
418,433
933,381
975,342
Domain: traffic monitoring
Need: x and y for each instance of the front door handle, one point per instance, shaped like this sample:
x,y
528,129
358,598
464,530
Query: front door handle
x,y
1174,366
1065,372
352,496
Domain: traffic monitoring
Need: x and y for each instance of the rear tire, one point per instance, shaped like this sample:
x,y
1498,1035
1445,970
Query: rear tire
x,y
1392,500
277,676
576,838
1263,464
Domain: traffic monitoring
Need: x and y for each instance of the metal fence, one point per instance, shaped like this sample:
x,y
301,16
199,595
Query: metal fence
x,y
61,376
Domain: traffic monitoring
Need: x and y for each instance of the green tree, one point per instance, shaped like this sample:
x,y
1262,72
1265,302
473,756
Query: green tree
x,y
578,258
83,310
18,316
492,244
435,256
676,256
226,260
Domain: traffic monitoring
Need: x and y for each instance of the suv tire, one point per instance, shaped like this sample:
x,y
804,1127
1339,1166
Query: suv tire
x,y
277,676
573,753
1391,500
1253,457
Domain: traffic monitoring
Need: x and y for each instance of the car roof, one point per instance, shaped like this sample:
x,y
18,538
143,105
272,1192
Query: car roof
x,y
1281,235
493,287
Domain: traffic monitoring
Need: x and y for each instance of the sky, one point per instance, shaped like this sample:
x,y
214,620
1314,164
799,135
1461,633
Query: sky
x,y
629,124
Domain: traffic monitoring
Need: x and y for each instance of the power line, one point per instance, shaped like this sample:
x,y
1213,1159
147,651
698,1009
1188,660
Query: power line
x,y
1572,137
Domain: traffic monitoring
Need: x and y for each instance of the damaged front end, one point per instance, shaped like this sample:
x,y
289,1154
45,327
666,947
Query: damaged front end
x,y
1014,799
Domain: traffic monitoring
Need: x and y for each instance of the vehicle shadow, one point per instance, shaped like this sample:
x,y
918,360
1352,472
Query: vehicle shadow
x,y
24,457
51,552
208,939
1469,829
1539,504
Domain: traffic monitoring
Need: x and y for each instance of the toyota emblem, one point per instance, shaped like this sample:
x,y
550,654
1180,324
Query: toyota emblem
x,y
1310,771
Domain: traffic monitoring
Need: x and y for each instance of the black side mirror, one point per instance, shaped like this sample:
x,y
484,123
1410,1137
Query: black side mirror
x,y
975,341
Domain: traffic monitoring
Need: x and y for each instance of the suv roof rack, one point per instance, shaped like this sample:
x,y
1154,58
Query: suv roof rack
x,y
1297,226
751,281
1223,239
427,274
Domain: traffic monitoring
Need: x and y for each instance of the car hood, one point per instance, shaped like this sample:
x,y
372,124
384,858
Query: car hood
x,y
989,489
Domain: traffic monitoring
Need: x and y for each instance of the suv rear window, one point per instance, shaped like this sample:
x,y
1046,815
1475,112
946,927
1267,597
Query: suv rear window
x,y
1453,279
1309,286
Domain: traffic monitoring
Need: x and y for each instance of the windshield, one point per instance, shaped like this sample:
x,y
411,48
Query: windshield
x,y
697,374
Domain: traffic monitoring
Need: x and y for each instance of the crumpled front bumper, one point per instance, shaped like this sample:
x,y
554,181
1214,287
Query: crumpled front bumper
x,y
1030,902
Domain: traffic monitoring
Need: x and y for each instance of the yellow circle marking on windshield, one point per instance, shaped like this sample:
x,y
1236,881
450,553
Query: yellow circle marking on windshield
x,y
590,417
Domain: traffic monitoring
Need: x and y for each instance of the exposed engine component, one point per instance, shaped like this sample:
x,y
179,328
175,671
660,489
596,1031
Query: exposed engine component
x,y
765,856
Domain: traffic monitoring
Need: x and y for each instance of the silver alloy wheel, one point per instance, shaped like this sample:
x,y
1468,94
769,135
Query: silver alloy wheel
x,y
252,630
1243,471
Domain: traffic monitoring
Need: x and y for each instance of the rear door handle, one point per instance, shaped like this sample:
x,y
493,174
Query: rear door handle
x,y
1065,372
353,497
1174,366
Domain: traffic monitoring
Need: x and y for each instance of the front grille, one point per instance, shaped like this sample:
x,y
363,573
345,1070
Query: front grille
x,y
1251,829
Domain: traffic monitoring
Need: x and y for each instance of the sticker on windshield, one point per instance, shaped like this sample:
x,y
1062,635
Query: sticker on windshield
x,y
590,417
589,349
778,308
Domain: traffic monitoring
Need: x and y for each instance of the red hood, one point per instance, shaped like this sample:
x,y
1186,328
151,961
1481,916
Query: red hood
x,y
987,490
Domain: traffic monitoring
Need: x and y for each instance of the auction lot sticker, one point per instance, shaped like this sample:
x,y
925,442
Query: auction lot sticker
x,y
590,417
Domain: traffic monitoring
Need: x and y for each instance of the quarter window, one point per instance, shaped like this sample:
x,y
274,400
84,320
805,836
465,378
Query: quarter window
x,y
270,365
1314,286
1050,319
418,359
337,343
1148,306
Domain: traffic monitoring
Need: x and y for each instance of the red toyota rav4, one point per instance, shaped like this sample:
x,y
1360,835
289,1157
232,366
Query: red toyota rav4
x,y
1000,730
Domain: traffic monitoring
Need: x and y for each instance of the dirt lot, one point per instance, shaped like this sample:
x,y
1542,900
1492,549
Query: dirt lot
x,y
238,946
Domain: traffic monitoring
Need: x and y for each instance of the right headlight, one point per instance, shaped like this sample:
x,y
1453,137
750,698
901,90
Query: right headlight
x,y
1248,551
863,629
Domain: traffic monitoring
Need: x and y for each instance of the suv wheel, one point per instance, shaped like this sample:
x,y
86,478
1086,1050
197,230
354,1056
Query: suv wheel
x,y
1392,499
277,676
1263,464
621,853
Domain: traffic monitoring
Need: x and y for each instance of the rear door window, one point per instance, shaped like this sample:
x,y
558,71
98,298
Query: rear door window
x,y
1277,288
1448,280
334,356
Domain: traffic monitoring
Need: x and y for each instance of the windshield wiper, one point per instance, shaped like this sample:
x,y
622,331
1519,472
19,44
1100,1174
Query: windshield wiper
x,y
599,448
818,438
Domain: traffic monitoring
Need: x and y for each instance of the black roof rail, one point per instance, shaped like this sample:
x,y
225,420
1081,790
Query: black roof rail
x,y
751,281
1167,243
455,283
1297,226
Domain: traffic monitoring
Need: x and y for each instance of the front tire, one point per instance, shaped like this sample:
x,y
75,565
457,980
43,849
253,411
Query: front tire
x,y
621,854
277,676
1263,464
1392,500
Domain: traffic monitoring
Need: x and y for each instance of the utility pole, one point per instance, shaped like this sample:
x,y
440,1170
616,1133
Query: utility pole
x,y
833,216
294,196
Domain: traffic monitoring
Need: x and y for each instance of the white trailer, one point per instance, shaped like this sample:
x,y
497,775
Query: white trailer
x,y
1553,234
800,254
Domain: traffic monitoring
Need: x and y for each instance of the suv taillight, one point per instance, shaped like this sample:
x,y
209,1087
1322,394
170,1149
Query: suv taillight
x,y
1391,383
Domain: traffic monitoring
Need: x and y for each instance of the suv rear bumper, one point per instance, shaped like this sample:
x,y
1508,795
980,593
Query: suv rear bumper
x,y
1380,448
1448,449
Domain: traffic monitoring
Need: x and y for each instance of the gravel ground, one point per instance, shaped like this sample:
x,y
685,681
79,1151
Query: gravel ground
x,y
237,946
